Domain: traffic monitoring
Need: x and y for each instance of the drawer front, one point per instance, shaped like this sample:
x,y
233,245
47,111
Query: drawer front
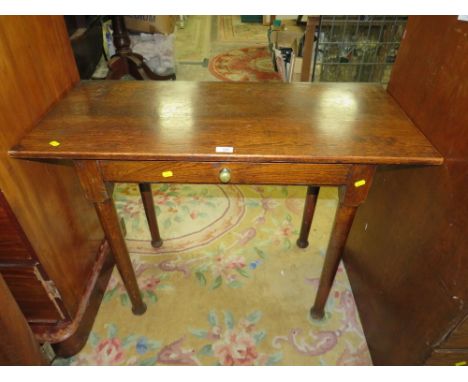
x,y
13,243
30,293
239,172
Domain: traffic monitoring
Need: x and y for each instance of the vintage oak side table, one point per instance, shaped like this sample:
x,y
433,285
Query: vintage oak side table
x,y
238,133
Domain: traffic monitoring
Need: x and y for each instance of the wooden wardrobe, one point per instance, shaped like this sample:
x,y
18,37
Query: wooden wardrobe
x,y
407,253
52,251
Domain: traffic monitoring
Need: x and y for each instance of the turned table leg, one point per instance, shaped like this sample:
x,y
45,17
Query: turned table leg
x,y
96,191
309,208
351,196
148,204
343,221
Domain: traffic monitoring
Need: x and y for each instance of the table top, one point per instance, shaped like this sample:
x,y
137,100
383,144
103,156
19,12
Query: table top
x,y
205,121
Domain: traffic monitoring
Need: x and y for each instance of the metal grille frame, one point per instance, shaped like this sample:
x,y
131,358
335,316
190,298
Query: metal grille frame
x,y
357,48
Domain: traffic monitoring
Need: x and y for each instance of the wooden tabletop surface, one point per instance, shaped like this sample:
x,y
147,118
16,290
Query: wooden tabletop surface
x,y
299,122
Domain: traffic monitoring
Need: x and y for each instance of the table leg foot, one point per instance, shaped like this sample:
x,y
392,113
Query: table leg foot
x,y
302,243
317,314
156,243
139,310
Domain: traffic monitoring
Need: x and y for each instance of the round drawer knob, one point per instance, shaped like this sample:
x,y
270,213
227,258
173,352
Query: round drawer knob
x,y
225,175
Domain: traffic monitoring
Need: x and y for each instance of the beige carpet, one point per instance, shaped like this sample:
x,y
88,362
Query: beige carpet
x,y
228,287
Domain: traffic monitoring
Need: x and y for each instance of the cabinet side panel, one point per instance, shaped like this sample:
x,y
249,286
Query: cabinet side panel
x,y
37,68
406,255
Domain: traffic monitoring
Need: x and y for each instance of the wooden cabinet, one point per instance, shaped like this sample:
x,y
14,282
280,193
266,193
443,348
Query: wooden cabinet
x,y
38,298
18,345
52,252
14,245
407,253
36,295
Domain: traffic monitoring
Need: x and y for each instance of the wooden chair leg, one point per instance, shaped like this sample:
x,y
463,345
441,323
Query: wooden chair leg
x,y
148,204
125,61
309,208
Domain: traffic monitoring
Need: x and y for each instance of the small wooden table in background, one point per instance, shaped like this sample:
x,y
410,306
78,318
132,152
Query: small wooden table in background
x,y
256,133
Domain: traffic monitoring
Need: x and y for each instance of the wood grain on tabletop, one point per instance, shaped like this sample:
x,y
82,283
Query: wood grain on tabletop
x,y
319,123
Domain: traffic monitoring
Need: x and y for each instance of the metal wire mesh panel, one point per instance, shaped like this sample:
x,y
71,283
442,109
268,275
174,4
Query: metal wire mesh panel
x,y
357,48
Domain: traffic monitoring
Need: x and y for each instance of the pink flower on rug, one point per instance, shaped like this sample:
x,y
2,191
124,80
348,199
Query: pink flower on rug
x,y
286,231
233,344
149,283
161,199
236,263
260,220
115,282
236,348
269,204
131,208
198,198
223,266
109,352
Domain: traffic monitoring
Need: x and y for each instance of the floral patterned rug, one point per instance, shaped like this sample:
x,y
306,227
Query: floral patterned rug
x,y
229,286
245,64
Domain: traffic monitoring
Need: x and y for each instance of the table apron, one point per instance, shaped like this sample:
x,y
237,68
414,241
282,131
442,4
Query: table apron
x,y
208,172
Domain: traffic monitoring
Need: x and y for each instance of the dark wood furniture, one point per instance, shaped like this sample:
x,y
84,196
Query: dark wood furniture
x,y
58,269
311,26
18,344
34,291
126,62
407,253
310,134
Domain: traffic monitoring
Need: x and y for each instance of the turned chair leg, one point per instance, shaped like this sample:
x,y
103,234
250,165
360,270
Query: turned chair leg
x,y
309,208
125,61
148,204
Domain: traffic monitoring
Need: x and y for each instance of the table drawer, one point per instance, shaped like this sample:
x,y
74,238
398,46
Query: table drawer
x,y
209,172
